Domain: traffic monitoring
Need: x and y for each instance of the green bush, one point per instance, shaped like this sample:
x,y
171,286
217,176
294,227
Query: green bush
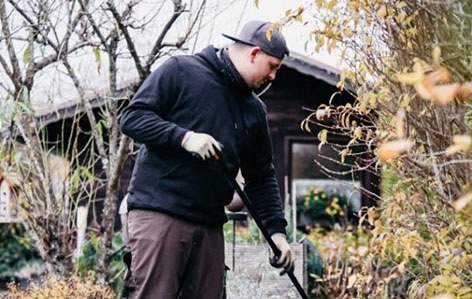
x,y
16,254
324,208
85,265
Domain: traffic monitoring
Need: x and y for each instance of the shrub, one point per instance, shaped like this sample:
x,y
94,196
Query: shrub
x,y
60,288
17,254
324,209
86,264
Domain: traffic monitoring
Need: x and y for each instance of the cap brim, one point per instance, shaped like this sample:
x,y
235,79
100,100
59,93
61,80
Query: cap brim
x,y
236,39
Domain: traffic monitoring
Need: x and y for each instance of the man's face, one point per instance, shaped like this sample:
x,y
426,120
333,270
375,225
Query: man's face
x,y
264,68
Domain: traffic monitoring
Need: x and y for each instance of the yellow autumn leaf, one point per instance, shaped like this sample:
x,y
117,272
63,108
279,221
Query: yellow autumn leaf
x,y
436,54
382,12
392,149
343,154
331,4
400,123
410,78
444,93
331,45
305,125
401,267
323,136
440,75
340,84
269,34
401,4
357,133
351,281
400,17
463,201
423,89
463,141
371,215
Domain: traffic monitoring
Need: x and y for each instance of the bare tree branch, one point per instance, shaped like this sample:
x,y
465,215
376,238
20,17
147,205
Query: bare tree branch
x,y
16,78
179,8
129,41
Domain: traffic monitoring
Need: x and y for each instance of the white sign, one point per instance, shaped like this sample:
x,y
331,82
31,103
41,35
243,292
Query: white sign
x,y
9,209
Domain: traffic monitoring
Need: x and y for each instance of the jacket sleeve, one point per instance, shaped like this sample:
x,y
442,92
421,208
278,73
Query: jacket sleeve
x,y
260,182
145,118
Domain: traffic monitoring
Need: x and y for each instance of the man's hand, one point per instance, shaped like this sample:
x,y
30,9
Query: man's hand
x,y
285,260
199,143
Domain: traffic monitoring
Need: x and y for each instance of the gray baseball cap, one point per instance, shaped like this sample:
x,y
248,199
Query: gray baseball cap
x,y
254,33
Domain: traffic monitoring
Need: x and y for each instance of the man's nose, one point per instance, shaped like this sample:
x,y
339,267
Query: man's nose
x,y
272,75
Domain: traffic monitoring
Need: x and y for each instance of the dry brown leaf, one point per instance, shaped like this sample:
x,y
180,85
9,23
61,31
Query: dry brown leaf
x,y
464,91
439,76
391,149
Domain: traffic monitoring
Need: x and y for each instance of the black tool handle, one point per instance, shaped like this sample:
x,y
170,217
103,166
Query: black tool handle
x,y
250,207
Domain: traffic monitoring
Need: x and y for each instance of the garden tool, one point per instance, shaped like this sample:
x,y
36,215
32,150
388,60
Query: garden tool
x,y
250,207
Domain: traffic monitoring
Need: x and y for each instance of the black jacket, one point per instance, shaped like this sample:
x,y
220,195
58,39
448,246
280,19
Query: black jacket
x,y
203,93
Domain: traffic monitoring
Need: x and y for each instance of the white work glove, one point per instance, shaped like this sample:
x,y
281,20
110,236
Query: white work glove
x,y
285,260
199,143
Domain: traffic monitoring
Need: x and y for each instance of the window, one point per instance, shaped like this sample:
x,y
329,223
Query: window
x,y
320,170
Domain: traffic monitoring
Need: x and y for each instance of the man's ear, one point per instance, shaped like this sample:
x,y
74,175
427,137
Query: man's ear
x,y
253,53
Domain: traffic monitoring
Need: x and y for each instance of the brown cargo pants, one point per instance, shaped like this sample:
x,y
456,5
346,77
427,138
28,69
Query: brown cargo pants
x,y
173,258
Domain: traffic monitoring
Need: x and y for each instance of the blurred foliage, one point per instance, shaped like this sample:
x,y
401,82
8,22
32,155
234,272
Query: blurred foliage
x,y
247,232
86,264
410,65
323,207
16,253
54,288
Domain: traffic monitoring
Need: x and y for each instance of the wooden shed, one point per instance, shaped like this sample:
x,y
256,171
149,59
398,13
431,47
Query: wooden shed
x,y
300,83
303,83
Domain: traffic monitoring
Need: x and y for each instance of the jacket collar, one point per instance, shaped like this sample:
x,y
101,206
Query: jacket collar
x,y
219,59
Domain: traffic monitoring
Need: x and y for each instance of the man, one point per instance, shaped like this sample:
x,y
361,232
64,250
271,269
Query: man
x,y
187,109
